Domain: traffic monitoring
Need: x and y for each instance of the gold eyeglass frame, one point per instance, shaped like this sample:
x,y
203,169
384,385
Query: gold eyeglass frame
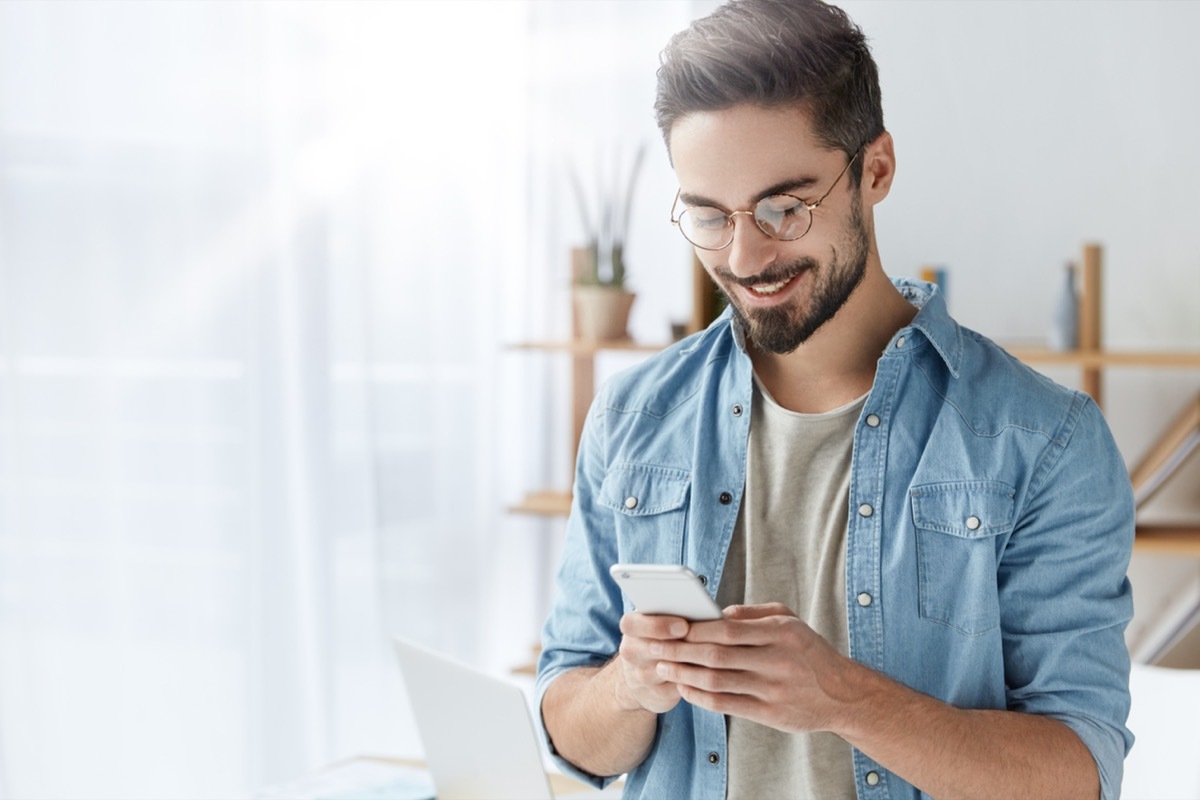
x,y
729,215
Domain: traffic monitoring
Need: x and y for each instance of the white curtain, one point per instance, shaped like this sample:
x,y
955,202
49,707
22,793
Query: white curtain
x,y
258,265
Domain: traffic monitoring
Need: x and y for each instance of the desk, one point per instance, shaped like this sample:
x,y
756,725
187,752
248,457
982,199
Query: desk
x,y
559,784
372,776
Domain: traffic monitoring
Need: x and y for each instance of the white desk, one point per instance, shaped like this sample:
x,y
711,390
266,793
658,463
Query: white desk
x,y
383,776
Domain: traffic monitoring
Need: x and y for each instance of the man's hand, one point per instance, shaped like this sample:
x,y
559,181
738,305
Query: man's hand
x,y
639,684
764,664
603,719
761,662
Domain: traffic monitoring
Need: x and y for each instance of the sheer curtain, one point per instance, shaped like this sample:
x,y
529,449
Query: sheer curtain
x,y
250,273
258,264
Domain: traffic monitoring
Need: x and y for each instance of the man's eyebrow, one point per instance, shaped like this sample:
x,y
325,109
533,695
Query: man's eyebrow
x,y
789,186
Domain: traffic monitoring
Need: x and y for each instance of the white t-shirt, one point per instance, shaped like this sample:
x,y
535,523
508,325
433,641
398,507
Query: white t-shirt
x,y
789,546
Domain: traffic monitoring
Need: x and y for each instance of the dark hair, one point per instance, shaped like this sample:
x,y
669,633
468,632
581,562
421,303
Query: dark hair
x,y
775,53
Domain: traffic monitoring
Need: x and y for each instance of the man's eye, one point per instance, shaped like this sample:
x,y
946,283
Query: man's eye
x,y
779,205
708,218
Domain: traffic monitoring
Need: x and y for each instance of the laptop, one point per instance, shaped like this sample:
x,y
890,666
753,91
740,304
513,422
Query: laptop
x,y
479,737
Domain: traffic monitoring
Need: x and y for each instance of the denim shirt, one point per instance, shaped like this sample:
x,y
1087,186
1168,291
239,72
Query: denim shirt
x,y
990,529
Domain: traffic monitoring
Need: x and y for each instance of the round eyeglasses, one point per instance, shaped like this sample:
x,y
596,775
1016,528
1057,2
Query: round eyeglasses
x,y
781,216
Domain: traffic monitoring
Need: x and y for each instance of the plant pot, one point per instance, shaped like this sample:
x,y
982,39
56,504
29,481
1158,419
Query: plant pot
x,y
602,312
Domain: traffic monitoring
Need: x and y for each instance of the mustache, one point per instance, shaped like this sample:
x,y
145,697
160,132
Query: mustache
x,y
773,274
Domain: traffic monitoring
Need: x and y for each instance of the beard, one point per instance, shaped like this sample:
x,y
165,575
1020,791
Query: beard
x,y
781,329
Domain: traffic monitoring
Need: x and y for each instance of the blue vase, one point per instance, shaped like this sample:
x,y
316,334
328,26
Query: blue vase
x,y
1064,330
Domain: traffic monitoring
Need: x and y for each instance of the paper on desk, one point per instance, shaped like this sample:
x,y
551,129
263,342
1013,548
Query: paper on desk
x,y
360,779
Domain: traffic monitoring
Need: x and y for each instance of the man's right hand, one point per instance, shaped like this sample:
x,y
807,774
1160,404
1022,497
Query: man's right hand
x,y
638,684
603,719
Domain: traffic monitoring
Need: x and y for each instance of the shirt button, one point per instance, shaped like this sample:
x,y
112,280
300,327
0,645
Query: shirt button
x,y
714,758
865,510
864,599
900,342
703,580
726,498
737,409
973,523
872,421
631,503
872,778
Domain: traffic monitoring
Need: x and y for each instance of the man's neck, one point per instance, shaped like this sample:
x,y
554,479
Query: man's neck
x,y
837,363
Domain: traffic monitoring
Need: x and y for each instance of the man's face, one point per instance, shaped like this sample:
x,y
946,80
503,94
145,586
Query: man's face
x,y
730,159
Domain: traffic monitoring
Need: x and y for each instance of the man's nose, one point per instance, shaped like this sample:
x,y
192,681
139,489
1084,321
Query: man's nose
x,y
751,250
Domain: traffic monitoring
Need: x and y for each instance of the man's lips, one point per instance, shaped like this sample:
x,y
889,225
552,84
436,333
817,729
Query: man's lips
x,y
769,289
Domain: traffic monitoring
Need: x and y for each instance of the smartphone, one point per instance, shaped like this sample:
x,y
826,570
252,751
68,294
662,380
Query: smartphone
x,y
666,589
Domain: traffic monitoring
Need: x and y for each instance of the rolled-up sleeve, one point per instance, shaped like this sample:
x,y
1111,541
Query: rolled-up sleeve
x,y
582,629
1064,596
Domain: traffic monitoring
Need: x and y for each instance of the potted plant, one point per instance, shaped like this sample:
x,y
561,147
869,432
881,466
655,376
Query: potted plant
x,y
601,301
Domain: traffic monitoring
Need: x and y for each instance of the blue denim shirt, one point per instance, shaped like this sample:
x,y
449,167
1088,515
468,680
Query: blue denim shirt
x,y
990,528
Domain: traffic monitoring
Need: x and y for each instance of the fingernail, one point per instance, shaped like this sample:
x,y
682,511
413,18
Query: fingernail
x,y
678,628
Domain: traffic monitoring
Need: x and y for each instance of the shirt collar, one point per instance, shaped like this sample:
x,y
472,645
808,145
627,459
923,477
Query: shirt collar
x,y
933,319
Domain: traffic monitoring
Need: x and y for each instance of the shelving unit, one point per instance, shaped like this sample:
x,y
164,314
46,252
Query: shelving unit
x,y
1092,361
1178,540
557,502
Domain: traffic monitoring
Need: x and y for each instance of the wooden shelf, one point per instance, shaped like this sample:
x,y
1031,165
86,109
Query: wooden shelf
x,y
1097,359
545,503
1168,539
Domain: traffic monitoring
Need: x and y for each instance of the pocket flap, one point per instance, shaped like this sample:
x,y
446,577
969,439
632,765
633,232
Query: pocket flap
x,y
640,490
969,509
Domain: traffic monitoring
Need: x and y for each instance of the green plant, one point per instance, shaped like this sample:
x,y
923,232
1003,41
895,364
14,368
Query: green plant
x,y
606,240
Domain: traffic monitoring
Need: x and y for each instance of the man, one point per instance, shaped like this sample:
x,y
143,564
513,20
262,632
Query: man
x,y
921,544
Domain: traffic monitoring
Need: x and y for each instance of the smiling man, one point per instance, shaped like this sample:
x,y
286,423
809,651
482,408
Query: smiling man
x,y
920,544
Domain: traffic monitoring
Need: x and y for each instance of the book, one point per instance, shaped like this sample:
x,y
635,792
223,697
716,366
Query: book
x,y
1167,454
1175,620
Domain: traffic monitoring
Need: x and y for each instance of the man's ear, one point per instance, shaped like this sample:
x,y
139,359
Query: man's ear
x,y
879,168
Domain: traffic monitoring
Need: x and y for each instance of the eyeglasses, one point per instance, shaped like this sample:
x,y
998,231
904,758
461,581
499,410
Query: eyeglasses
x,y
781,216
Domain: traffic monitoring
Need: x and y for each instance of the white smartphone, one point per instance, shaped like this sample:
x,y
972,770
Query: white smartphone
x,y
666,589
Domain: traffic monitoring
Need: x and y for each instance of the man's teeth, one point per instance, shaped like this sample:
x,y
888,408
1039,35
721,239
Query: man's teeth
x,y
769,288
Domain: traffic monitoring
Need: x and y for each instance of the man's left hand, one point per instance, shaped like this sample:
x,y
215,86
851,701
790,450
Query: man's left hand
x,y
763,663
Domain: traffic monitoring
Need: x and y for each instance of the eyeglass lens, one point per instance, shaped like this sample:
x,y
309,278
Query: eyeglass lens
x,y
780,216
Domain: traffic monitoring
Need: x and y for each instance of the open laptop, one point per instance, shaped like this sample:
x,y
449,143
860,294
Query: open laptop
x,y
479,738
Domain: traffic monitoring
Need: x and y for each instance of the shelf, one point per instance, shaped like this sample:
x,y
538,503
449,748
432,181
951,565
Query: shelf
x,y
1106,358
1168,539
545,503
583,347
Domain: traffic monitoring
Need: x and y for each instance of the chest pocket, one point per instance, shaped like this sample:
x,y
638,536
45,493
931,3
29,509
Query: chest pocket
x,y
957,524
649,506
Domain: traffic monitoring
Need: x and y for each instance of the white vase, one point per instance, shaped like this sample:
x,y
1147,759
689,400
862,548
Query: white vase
x,y
602,312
